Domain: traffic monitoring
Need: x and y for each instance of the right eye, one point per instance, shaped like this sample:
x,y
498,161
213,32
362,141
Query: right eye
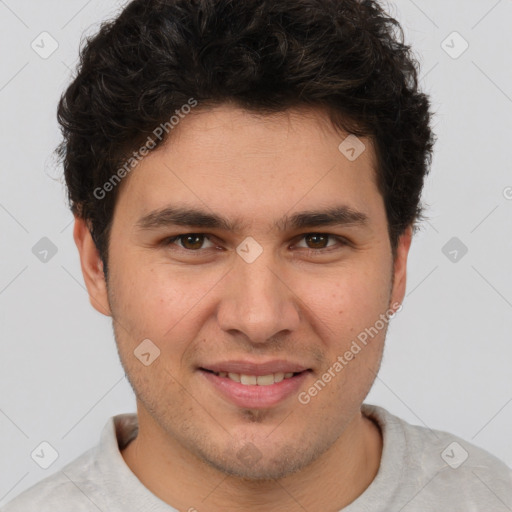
x,y
191,242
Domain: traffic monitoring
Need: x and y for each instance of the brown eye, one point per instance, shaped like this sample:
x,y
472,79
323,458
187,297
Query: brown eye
x,y
316,240
189,241
320,242
192,241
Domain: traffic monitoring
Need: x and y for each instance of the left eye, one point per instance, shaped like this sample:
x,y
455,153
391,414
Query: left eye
x,y
319,239
194,241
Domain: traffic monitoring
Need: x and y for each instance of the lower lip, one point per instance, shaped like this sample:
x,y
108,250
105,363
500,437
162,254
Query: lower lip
x,y
256,397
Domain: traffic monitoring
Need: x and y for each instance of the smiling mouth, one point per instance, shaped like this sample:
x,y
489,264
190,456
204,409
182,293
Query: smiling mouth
x,y
256,380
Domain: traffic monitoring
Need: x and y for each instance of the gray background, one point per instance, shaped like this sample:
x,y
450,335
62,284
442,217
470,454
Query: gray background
x,y
447,361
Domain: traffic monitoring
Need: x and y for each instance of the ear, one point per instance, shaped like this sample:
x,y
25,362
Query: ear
x,y
92,267
400,268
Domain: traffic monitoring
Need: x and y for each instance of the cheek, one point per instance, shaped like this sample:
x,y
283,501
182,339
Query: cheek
x,y
158,301
348,321
350,298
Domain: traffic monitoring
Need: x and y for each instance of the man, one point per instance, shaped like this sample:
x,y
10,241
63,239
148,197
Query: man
x,y
245,179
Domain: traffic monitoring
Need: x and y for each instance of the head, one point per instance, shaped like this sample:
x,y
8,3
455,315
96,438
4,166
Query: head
x,y
230,120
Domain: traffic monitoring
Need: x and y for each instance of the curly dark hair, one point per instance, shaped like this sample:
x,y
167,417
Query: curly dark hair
x,y
346,56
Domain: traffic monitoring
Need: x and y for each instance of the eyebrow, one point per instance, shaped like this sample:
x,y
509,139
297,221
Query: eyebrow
x,y
191,217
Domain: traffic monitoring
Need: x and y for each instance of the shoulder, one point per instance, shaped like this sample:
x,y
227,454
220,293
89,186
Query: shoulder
x,y
81,485
437,464
64,490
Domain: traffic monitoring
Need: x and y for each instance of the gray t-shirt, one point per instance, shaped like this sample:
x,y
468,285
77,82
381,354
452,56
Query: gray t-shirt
x,y
421,470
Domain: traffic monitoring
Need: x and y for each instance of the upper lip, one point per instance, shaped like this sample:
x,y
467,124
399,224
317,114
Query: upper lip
x,y
255,368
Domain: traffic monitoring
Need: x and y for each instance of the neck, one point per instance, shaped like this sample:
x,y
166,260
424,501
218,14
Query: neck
x,y
335,479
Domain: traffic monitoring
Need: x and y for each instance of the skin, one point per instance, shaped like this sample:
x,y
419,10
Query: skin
x,y
211,305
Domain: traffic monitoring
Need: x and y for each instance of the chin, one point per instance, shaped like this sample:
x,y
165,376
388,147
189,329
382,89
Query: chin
x,y
252,465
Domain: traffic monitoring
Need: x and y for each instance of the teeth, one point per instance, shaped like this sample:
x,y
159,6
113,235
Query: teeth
x,y
278,377
248,380
265,380
253,380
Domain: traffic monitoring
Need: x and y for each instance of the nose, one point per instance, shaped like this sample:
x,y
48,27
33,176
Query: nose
x,y
257,301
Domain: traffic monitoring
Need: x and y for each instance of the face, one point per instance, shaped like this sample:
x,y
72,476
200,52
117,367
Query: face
x,y
285,268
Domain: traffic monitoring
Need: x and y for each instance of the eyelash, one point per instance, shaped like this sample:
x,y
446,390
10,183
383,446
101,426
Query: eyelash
x,y
310,252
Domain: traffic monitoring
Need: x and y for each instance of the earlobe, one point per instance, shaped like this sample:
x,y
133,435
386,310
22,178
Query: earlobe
x,y
400,267
92,267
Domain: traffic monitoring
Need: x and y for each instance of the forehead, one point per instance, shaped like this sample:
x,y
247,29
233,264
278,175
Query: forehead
x,y
254,166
